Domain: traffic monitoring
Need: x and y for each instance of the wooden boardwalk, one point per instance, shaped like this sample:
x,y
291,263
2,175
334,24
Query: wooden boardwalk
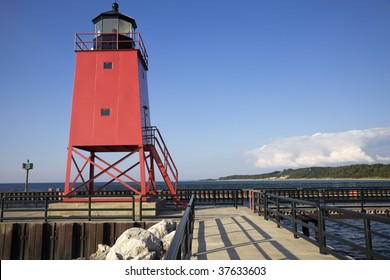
x,y
227,233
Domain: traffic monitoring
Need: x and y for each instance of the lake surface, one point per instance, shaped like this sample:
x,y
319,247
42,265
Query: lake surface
x,y
19,187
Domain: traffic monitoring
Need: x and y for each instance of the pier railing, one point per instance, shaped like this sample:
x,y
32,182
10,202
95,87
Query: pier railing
x,y
335,194
331,195
181,245
165,206
50,206
318,224
233,197
43,206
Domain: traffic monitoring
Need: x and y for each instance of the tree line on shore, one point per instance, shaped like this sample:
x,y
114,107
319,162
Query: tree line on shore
x,y
356,171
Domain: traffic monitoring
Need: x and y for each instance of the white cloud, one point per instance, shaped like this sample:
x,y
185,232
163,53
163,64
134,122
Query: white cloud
x,y
325,149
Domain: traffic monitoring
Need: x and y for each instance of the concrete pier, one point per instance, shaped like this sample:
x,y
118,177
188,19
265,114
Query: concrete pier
x,y
227,233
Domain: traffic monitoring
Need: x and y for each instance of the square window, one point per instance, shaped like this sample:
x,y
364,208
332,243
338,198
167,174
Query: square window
x,y
107,65
104,112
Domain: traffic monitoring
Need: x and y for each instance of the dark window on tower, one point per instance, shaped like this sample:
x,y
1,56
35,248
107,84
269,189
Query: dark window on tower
x,y
105,112
107,65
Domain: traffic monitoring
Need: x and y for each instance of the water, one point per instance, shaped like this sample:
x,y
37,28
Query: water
x,y
381,245
19,187
354,232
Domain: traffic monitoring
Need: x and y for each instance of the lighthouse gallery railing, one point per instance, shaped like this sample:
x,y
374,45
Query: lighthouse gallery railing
x,y
110,41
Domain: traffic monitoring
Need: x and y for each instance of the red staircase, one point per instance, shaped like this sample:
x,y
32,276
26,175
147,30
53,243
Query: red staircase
x,y
155,145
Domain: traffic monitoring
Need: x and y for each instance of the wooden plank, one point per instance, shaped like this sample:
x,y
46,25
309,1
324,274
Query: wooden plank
x,y
63,246
94,236
53,239
5,240
108,234
68,241
20,238
38,241
28,250
90,234
34,241
59,243
78,240
47,241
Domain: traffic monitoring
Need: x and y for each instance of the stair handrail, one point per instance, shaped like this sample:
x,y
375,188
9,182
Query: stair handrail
x,y
150,137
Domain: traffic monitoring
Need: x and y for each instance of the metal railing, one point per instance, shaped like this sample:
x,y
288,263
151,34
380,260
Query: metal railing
x,y
111,41
33,206
165,206
27,207
152,136
336,194
312,220
216,197
181,245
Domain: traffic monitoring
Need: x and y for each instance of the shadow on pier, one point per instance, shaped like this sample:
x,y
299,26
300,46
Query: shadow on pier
x,y
226,233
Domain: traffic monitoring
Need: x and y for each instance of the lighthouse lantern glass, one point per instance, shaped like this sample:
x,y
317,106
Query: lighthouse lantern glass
x,y
113,25
125,27
98,28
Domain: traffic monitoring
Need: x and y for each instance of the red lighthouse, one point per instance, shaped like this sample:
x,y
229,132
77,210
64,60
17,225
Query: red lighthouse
x,y
111,138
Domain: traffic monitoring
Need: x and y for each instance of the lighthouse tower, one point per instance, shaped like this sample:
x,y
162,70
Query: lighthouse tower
x,y
111,138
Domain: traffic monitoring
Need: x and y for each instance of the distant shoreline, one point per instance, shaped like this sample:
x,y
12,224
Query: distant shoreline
x,y
303,179
349,172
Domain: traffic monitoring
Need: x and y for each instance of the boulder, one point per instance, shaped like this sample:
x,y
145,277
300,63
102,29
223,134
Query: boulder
x,y
101,252
136,243
163,228
167,240
139,244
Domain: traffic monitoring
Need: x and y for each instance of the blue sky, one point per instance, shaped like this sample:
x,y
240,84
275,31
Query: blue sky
x,y
236,87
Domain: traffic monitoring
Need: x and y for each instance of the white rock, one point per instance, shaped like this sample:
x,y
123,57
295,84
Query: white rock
x,y
163,228
147,255
101,252
135,243
167,240
140,244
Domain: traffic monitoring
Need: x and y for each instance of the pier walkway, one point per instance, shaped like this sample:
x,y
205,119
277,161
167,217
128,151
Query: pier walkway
x,y
227,233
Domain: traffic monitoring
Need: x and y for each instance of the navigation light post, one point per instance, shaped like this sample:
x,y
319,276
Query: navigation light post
x,y
27,166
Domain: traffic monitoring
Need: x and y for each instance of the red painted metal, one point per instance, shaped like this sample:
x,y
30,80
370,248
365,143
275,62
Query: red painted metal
x,y
110,116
